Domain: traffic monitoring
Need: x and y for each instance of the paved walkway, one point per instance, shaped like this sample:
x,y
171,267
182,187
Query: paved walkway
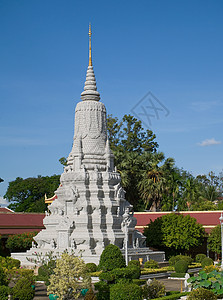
x,y
170,284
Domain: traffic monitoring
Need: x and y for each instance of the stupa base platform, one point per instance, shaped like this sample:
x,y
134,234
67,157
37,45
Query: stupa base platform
x,y
145,254
133,254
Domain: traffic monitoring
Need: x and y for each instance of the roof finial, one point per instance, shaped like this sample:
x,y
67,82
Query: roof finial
x,y
90,59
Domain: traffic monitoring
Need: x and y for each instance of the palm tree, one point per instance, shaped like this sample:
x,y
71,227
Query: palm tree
x,y
152,186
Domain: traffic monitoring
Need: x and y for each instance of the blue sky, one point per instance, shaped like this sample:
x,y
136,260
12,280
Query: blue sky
x,y
172,49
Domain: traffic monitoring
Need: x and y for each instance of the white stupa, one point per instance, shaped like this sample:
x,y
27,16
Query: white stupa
x,y
90,211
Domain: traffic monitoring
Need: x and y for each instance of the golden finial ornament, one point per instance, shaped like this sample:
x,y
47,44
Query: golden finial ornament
x,y
89,33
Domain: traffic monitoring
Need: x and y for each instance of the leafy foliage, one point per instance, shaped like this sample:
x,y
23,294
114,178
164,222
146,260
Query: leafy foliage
x,y
9,262
129,291
66,280
3,279
214,239
211,281
199,257
153,290
151,264
111,258
207,261
4,292
202,294
181,266
134,263
174,231
28,194
23,289
91,267
174,259
20,242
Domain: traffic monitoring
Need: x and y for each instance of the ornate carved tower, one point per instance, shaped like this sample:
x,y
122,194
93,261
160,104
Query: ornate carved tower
x,y
90,211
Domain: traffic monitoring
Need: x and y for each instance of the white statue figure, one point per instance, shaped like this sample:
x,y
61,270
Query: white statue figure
x,y
137,243
186,284
73,244
53,244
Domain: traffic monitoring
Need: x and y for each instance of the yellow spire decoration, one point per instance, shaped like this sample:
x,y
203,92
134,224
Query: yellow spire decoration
x,y
90,59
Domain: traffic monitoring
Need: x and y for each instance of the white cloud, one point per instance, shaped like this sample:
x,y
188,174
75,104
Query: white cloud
x,y
209,142
3,202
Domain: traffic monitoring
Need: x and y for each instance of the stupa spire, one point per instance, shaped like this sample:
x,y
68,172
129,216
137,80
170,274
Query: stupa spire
x,y
89,33
90,89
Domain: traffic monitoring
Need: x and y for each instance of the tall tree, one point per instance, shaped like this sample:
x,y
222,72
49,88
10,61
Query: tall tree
x,y
28,194
132,147
153,185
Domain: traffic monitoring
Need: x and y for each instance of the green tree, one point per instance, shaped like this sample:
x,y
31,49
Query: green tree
x,y
214,239
28,194
174,231
132,146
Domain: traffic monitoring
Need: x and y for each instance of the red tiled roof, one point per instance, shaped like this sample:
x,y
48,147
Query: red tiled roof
x,y
5,210
20,222
208,219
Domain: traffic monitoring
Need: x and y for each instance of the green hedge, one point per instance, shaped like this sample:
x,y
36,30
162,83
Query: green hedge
x,y
23,289
125,291
132,272
172,297
4,292
178,275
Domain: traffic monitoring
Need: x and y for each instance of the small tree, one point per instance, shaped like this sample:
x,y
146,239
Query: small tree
x,y
214,240
174,231
111,258
70,276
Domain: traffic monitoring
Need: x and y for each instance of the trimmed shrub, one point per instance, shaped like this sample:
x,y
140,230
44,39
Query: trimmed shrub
x,y
125,291
3,279
151,264
135,272
103,290
173,297
202,294
134,263
207,261
153,290
46,270
9,262
111,258
181,266
174,259
4,292
139,281
200,257
118,274
23,289
91,267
